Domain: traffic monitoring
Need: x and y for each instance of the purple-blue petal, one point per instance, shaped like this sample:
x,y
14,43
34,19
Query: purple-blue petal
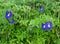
x,y
42,9
7,12
12,21
49,23
43,27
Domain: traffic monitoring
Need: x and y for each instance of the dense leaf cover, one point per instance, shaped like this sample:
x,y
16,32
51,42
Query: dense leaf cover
x,y
28,19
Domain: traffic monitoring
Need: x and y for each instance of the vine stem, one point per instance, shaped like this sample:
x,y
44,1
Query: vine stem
x,y
57,33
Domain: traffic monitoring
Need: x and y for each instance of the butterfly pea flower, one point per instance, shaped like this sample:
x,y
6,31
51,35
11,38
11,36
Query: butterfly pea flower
x,y
44,27
8,16
42,9
47,26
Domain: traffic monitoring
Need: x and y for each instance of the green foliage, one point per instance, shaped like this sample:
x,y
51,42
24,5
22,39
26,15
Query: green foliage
x,y
28,19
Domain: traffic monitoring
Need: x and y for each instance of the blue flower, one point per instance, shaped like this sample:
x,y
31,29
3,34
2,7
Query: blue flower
x,y
49,25
8,14
44,27
41,9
